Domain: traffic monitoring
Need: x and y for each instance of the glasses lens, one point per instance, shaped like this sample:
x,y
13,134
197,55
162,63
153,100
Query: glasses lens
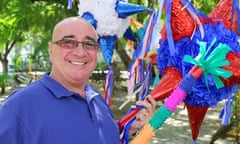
x,y
90,45
70,44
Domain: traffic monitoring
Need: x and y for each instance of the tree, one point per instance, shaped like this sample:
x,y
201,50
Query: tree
x,y
24,20
21,19
31,22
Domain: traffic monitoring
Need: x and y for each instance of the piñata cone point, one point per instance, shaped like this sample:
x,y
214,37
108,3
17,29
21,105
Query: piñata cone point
x,y
107,44
182,23
126,9
196,115
223,12
169,81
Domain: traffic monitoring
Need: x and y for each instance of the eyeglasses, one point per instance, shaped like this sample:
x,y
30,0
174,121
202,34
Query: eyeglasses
x,y
72,44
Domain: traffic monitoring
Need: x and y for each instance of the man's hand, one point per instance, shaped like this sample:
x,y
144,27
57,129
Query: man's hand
x,y
144,115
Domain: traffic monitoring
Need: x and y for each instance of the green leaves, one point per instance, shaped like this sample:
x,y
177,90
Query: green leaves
x,y
27,22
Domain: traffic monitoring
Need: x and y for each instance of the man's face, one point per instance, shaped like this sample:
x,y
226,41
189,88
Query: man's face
x,y
70,59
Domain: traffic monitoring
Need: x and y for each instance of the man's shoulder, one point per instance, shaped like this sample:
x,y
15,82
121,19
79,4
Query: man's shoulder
x,y
23,95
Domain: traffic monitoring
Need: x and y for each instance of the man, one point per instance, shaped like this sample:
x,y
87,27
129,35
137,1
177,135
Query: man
x,y
61,107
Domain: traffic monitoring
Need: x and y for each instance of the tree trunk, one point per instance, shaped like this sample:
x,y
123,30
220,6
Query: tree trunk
x,y
4,61
3,90
126,60
5,65
5,70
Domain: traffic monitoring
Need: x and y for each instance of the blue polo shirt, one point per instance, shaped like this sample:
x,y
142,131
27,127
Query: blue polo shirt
x,y
47,113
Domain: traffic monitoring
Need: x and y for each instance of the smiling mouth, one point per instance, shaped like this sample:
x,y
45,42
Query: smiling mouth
x,y
77,63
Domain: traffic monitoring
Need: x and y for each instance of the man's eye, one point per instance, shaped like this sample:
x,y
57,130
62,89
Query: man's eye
x,y
68,43
90,43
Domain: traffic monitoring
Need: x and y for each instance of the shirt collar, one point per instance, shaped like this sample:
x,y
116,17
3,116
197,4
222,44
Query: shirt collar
x,y
60,91
91,92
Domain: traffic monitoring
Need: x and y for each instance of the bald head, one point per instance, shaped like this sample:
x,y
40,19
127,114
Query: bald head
x,y
76,24
73,64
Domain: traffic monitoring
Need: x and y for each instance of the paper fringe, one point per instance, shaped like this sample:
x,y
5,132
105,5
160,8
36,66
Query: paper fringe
x,y
108,86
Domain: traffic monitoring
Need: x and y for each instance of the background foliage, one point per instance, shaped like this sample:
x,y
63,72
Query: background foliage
x,y
27,25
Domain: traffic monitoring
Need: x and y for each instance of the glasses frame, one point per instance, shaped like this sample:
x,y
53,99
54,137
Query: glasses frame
x,y
86,43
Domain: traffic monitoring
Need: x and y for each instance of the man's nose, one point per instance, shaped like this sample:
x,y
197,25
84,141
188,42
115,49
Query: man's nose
x,y
80,49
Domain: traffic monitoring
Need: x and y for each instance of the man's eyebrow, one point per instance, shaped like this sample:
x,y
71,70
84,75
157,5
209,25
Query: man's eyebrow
x,y
68,36
73,36
90,38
